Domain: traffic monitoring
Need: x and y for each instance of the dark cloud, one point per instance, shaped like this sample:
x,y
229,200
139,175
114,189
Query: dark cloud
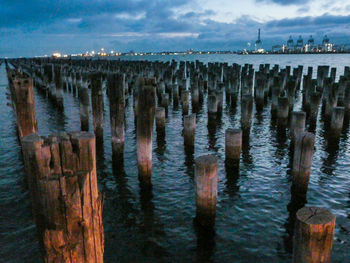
x,y
38,27
319,21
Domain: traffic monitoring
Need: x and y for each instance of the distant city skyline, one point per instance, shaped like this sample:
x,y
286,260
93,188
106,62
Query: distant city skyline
x,y
30,28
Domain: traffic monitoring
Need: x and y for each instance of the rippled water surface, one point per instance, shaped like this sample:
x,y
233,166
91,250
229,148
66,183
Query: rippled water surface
x,y
253,223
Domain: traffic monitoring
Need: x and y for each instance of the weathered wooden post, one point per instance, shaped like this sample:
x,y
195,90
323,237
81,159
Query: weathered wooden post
x,y
212,108
246,113
195,98
189,130
315,100
84,108
347,99
58,85
313,235
206,181
67,206
282,112
97,104
302,160
185,100
116,94
297,124
144,130
337,120
275,92
220,99
260,94
160,121
165,102
23,101
175,95
233,146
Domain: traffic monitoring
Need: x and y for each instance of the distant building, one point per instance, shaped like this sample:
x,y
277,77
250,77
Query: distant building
x,y
311,42
300,44
290,44
326,45
258,44
277,49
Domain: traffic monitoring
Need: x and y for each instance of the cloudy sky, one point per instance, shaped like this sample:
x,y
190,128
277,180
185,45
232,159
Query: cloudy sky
x,y
38,27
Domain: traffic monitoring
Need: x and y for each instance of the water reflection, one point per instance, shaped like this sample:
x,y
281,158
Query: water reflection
x,y
232,176
189,160
206,244
296,202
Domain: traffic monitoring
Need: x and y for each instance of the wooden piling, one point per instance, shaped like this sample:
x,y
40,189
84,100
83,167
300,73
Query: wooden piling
x,y
337,120
246,113
67,206
116,94
175,91
185,100
233,146
160,120
97,104
282,112
302,160
189,130
23,102
206,181
212,107
144,130
313,235
297,124
315,100
84,108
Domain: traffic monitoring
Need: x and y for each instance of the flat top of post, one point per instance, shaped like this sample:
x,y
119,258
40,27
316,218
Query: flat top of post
x,y
299,113
233,131
190,117
207,160
314,215
33,137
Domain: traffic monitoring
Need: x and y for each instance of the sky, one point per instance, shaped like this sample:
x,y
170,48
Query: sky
x,y
39,27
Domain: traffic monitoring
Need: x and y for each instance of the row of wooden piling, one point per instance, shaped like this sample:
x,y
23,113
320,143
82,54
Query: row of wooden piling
x,y
155,85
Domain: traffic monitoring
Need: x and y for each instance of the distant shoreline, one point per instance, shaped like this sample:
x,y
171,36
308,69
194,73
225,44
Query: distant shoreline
x,y
296,53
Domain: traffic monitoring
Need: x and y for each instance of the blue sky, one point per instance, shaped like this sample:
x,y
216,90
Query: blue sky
x,y
38,27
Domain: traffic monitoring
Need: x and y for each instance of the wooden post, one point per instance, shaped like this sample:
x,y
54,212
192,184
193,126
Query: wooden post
x,y
233,146
116,93
58,84
165,102
220,99
189,130
175,95
315,99
206,181
23,101
259,94
84,108
282,112
185,100
144,130
160,121
212,108
337,120
297,124
246,113
313,235
302,160
67,206
97,104
275,92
